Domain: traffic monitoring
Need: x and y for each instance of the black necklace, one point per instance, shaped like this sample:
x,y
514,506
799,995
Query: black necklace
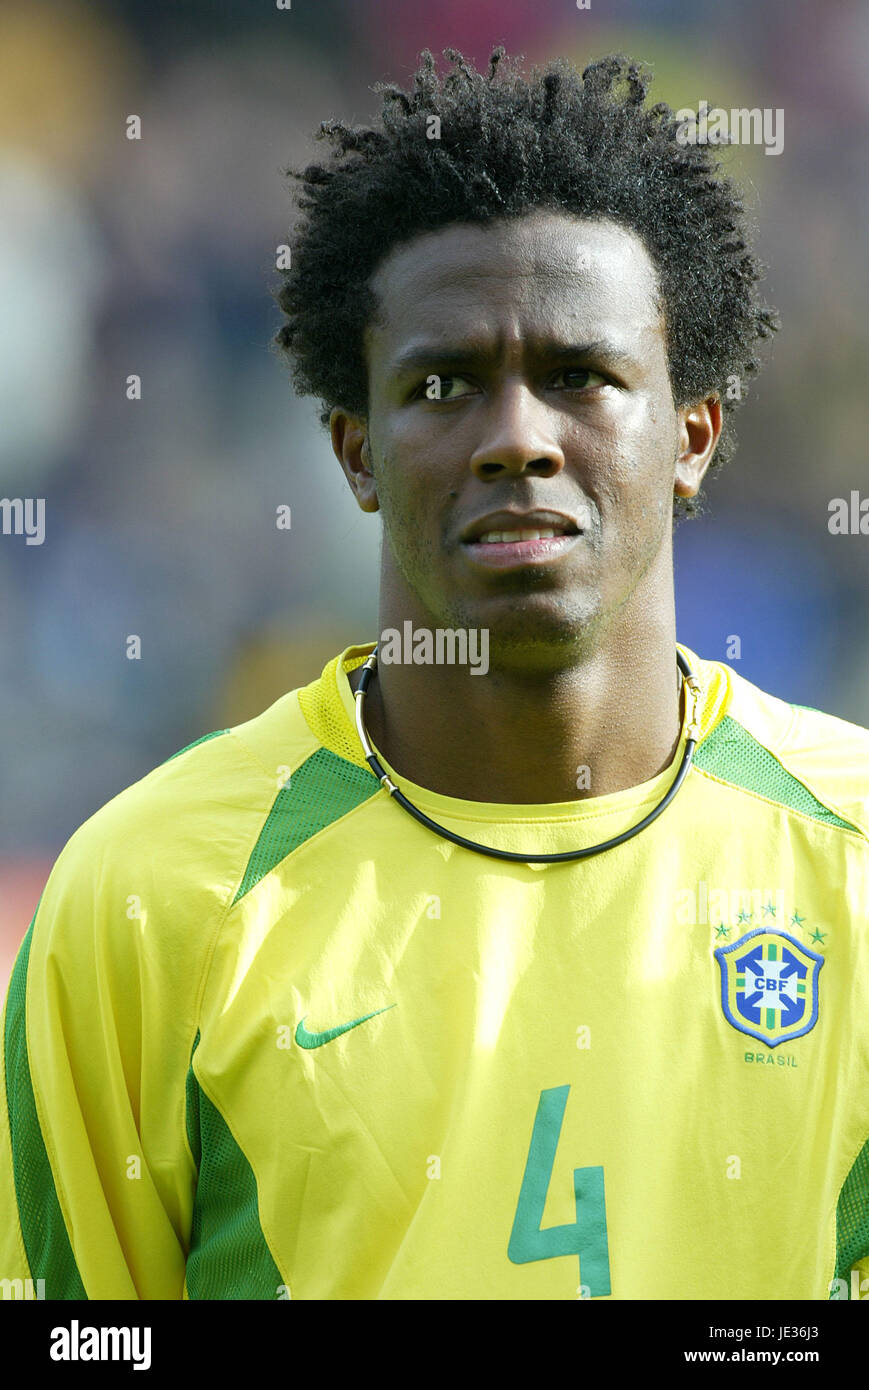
x,y
689,683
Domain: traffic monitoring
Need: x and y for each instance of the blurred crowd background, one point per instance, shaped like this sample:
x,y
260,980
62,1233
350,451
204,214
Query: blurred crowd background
x,y
157,257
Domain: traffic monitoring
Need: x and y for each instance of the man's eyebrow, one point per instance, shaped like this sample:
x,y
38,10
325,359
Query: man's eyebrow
x,y
614,353
452,357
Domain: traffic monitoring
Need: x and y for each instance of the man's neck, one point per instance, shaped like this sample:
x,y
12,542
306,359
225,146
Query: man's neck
x,y
606,724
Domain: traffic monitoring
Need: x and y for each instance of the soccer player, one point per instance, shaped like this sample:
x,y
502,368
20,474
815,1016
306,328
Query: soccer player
x,y
524,956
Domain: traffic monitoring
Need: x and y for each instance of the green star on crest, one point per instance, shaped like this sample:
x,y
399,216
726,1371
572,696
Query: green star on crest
x,y
721,930
817,935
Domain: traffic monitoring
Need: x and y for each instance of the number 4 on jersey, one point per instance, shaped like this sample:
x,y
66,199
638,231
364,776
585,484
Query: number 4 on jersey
x,y
587,1235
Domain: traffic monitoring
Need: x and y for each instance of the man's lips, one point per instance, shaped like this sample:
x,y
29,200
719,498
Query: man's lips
x,y
503,540
507,554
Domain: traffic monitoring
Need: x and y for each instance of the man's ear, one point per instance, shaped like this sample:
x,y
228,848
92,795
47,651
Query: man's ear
x,y
353,452
699,432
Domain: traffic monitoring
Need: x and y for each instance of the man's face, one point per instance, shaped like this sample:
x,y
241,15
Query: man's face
x,y
549,344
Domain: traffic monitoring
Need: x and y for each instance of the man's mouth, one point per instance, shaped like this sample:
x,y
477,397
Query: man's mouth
x,y
503,549
500,542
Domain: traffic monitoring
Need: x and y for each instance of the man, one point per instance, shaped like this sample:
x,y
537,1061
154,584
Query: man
x,y
459,979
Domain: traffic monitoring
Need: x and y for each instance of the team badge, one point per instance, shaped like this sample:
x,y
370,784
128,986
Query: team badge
x,y
769,986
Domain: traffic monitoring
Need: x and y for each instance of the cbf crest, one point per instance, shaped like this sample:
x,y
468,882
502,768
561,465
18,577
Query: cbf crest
x,y
769,986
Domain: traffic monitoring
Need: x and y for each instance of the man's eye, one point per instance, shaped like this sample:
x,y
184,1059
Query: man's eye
x,y
586,378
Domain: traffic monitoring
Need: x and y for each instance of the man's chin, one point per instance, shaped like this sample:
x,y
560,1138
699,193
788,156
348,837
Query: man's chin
x,y
534,634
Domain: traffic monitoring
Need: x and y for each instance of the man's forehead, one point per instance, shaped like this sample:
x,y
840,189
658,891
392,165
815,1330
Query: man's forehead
x,y
546,259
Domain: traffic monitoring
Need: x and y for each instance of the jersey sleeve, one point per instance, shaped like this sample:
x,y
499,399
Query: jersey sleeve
x,y
97,1179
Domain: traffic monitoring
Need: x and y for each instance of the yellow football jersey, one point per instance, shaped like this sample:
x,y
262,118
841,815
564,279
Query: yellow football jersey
x,y
268,1037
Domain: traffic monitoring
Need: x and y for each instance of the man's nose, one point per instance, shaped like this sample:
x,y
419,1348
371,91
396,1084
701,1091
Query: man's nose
x,y
517,437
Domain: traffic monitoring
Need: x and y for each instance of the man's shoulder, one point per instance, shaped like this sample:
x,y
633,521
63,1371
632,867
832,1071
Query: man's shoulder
x,y
757,732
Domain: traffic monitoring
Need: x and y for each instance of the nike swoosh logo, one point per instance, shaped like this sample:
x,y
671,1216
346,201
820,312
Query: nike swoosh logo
x,y
311,1040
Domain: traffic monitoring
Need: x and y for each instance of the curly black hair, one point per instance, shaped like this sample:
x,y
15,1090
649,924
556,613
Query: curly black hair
x,y
586,145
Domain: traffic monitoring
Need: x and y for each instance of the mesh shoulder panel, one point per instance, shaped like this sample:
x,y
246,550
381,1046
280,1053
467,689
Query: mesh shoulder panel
x,y
731,753
319,792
